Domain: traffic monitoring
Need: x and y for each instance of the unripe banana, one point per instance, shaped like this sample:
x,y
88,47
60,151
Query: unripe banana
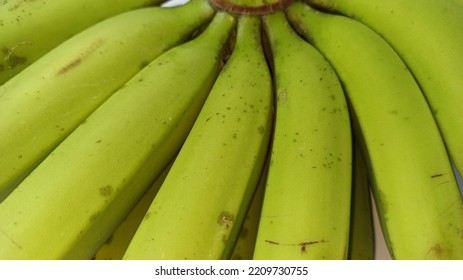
x,y
29,29
306,206
419,204
114,248
200,208
44,103
72,202
428,35
362,235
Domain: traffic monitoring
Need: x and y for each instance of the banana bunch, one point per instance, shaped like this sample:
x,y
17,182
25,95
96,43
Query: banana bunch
x,y
417,195
108,162
203,201
231,129
44,103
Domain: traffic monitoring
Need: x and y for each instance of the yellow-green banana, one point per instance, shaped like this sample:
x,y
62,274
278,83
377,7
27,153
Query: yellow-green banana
x,y
428,35
244,247
200,208
29,29
420,207
306,206
114,248
44,103
361,237
72,202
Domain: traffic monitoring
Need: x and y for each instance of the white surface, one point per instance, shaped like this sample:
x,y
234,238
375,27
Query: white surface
x,y
171,3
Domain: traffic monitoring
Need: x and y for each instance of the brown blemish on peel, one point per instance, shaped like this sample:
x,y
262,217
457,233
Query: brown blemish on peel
x,y
436,251
12,60
94,216
225,219
106,190
301,245
78,60
70,65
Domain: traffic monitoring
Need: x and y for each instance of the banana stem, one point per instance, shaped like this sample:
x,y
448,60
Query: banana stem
x,y
251,7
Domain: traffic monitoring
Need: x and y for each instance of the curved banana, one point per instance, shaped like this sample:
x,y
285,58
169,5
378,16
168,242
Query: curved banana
x,y
428,35
32,28
418,200
306,208
114,248
200,208
362,235
44,103
72,202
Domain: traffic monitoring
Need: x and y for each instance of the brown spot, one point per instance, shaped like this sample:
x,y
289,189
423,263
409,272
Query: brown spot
x,y
94,216
304,244
84,55
70,65
106,190
301,245
436,251
225,219
13,60
437,175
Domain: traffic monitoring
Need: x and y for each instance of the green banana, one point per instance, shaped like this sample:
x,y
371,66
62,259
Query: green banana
x,y
361,237
114,248
428,35
311,161
419,204
32,28
244,247
201,206
72,202
44,103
